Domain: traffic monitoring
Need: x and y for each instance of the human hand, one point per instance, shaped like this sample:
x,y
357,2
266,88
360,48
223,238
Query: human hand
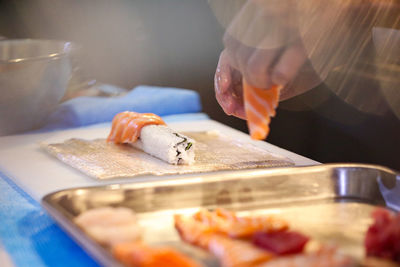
x,y
261,43
228,88
296,44
287,67
262,57
229,91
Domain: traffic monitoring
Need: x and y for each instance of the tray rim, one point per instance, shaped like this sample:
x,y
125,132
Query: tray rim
x,y
104,257
223,175
87,244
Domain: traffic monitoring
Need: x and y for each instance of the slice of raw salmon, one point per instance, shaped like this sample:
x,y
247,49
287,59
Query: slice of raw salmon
x,y
237,253
126,126
228,223
259,106
230,252
135,254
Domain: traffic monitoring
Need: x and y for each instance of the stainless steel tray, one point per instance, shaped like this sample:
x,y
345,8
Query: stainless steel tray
x,y
330,203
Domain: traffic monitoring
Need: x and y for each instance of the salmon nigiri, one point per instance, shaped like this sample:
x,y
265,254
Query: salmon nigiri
x,y
126,126
259,106
149,133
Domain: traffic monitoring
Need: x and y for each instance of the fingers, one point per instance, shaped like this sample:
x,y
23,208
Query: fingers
x,y
263,68
255,67
236,52
305,80
243,41
288,65
256,38
231,103
253,63
257,70
228,90
222,78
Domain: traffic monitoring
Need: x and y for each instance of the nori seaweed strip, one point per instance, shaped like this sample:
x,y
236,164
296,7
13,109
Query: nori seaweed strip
x,y
189,145
184,139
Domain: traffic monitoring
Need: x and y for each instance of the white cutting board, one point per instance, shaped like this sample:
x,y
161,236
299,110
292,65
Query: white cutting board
x,y
37,173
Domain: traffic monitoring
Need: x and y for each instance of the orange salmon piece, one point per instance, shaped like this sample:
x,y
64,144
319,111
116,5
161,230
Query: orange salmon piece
x,y
192,231
237,253
228,223
126,126
135,254
204,231
259,106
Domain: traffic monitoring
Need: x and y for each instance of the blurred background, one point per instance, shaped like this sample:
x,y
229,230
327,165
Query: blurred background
x,y
176,43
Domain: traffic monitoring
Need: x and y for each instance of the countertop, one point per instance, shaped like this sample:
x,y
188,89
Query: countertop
x,y
35,172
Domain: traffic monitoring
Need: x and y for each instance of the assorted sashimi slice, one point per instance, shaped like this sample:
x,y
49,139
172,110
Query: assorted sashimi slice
x,y
109,226
281,243
117,230
257,245
227,222
136,254
383,236
236,252
236,241
230,252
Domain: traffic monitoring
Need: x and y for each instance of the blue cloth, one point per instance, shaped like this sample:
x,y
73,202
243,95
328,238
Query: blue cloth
x,y
162,101
30,236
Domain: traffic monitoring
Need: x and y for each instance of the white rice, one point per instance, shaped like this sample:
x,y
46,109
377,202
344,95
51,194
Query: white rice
x,y
166,144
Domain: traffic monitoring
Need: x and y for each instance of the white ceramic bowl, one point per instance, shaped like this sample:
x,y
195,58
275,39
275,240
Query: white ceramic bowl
x,y
34,75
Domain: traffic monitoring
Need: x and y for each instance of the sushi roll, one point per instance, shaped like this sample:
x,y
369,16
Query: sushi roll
x,y
149,133
164,143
